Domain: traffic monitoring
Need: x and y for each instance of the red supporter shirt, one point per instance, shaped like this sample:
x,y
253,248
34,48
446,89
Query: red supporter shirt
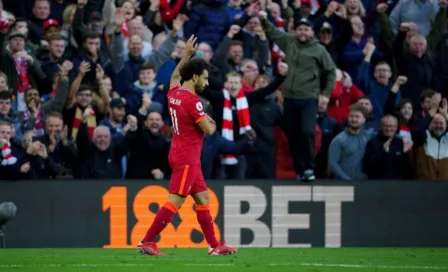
x,y
186,111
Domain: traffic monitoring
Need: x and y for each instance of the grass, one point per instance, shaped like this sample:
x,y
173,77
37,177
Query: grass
x,y
247,259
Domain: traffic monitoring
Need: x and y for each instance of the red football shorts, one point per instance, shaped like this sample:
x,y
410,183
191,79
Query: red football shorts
x,y
186,180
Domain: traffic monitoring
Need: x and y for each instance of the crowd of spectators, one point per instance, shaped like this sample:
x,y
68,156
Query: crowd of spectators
x,y
350,90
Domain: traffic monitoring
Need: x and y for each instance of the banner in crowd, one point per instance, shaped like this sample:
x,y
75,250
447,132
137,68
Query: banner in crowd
x,y
116,214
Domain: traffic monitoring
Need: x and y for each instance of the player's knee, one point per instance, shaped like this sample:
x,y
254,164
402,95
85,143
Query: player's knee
x,y
202,198
176,200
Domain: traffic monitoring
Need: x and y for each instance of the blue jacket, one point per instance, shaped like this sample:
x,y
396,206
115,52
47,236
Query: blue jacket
x,y
165,71
377,93
134,98
215,145
208,21
353,57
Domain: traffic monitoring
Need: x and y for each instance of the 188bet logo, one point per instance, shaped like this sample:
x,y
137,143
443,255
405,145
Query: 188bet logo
x,y
115,201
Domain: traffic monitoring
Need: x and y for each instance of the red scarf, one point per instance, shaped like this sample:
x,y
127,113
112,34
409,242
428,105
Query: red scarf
x,y
8,158
243,113
404,131
276,53
124,29
23,83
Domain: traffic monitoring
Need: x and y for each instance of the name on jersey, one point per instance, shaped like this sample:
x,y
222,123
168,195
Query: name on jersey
x,y
175,101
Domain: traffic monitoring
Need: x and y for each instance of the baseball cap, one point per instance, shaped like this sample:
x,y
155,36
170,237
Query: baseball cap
x,y
326,26
303,21
50,22
95,16
117,103
16,34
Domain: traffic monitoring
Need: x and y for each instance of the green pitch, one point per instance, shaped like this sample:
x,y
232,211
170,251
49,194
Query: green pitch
x,y
247,259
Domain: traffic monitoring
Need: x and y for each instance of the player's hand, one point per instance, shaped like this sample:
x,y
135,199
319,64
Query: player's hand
x,y
157,174
211,120
192,46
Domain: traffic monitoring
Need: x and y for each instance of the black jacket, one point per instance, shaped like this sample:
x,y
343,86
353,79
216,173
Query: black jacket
x,y
379,164
98,164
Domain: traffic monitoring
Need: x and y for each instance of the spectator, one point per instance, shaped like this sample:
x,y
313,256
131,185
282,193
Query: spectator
x,y
149,151
347,148
387,156
265,115
412,11
98,158
9,165
301,92
41,12
330,129
431,144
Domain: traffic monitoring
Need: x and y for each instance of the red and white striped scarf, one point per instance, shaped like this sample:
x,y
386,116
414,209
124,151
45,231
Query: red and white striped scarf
x,y
243,113
404,132
8,158
276,53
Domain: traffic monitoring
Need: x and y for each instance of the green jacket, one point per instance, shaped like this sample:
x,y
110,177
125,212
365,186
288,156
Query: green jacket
x,y
311,68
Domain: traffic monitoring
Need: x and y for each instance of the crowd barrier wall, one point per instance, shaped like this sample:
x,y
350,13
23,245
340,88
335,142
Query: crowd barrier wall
x,y
258,213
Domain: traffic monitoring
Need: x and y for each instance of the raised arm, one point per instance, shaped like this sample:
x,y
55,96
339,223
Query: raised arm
x,y
190,50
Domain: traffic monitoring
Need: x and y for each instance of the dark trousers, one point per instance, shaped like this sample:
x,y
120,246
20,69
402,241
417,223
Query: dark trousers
x,y
237,171
300,117
260,165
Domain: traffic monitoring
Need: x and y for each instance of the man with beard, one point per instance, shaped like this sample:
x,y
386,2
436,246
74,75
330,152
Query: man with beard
x,y
99,159
387,155
347,148
149,151
431,142
36,111
311,72
189,125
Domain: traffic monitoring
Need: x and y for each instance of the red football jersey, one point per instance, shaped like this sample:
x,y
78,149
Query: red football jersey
x,y
186,110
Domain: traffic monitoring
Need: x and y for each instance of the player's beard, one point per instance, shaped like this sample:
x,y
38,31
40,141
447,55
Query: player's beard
x,y
198,87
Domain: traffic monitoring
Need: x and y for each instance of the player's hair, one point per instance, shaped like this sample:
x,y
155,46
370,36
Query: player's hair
x,y
5,95
427,94
195,66
358,108
54,114
233,74
146,66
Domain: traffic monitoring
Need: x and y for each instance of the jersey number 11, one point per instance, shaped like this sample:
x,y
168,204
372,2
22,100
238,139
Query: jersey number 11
x,y
174,120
